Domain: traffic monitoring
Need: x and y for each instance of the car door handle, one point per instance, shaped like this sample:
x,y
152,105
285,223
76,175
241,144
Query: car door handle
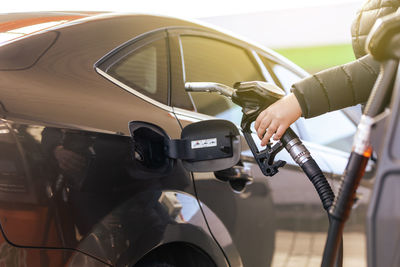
x,y
234,173
237,176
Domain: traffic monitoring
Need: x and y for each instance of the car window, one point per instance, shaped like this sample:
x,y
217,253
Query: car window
x,y
144,69
283,75
211,60
333,129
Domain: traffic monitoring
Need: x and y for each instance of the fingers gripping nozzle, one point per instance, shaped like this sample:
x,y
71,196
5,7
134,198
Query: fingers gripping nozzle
x,y
265,158
254,97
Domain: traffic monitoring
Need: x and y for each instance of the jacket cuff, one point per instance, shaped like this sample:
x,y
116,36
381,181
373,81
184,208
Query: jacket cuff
x,y
312,97
300,99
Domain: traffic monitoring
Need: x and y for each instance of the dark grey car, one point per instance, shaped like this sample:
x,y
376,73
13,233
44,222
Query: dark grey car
x,y
75,190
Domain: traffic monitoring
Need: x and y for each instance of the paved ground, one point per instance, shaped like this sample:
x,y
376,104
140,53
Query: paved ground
x,y
307,249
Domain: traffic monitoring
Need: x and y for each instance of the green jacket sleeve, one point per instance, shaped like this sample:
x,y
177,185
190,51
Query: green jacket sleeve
x,y
337,87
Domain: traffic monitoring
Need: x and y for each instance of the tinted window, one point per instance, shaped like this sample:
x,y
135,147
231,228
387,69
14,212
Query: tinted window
x,y
144,69
210,60
332,129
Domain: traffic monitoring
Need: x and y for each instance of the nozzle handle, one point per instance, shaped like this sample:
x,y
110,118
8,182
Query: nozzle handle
x,y
209,87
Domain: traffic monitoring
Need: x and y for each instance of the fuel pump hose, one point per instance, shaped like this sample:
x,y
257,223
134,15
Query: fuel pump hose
x,y
303,158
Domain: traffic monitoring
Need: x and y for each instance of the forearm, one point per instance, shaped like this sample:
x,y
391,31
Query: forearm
x,y
337,87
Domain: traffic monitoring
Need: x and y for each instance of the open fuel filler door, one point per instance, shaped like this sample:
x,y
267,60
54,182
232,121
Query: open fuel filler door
x,y
204,146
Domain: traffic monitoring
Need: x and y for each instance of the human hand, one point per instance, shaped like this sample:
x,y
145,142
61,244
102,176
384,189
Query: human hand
x,y
275,119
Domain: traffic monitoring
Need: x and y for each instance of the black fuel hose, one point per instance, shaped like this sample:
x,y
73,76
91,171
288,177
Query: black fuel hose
x,y
303,158
317,178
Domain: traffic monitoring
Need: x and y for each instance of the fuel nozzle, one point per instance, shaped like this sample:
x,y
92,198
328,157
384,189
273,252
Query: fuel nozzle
x,y
254,97
256,91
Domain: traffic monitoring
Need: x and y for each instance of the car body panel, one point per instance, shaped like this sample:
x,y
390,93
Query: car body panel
x,y
92,205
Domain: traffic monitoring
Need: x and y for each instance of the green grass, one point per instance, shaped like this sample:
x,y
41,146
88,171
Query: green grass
x,y
316,58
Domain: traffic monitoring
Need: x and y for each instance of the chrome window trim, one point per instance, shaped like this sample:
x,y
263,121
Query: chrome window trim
x,y
147,37
192,114
133,91
279,59
184,71
142,40
264,70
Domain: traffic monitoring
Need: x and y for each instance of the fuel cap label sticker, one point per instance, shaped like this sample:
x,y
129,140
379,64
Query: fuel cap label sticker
x,y
204,143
